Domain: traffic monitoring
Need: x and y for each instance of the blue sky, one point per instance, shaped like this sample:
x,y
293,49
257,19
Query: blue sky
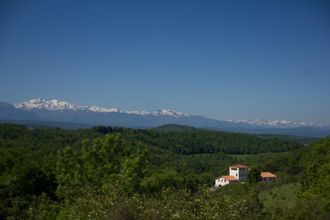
x,y
220,59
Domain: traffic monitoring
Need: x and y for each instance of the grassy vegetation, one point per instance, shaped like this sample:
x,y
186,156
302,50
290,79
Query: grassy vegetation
x,y
280,198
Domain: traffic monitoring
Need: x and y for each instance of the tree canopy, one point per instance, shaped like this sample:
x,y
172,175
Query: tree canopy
x,y
117,173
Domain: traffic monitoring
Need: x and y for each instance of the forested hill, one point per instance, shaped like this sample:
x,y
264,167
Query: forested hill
x,y
181,128
177,139
174,128
188,140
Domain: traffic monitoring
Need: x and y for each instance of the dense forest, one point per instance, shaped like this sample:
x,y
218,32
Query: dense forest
x,y
163,173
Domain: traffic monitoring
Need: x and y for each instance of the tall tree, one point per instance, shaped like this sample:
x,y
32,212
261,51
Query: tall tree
x,y
253,176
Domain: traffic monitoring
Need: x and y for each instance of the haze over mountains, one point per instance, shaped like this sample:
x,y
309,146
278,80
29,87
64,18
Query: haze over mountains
x,y
64,114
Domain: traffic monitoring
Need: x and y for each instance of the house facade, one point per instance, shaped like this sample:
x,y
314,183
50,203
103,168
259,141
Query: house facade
x,y
239,171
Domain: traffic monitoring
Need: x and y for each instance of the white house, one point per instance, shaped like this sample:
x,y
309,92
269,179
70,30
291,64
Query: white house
x,y
238,174
239,171
224,180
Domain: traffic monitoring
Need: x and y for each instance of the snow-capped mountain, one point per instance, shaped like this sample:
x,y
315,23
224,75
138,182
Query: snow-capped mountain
x,y
276,123
56,105
168,112
57,112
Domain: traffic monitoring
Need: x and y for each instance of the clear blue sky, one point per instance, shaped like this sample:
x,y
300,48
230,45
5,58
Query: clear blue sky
x,y
221,59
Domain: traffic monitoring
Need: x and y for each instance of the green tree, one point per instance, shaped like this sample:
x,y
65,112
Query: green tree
x,y
68,174
316,178
253,175
102,161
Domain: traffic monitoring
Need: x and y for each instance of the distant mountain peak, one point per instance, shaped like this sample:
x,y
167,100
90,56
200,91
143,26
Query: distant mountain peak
x,y
168,112
276,123
42,110
39,103
57,105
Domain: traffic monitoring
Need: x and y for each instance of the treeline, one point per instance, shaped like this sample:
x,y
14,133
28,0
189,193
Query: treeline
x,y
194,141
199,141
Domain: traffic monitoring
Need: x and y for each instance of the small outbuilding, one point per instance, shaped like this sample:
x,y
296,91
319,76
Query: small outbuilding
x,y
267,177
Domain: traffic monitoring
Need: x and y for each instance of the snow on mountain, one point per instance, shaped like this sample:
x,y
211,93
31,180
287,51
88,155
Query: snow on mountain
x,y
170,113
56,105
52,105
276,123
137,112
98,109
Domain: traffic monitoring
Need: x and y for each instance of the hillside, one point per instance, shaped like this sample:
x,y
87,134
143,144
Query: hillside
x,y
173,128
188,140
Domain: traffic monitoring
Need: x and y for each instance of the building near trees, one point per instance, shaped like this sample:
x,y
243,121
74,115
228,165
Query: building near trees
x,y
238,174
267,177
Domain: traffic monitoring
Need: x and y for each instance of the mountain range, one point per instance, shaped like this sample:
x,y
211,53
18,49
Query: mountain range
x,y
64,114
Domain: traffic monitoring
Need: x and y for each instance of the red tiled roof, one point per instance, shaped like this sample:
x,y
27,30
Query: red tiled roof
x,y
229,178
267,174
239,166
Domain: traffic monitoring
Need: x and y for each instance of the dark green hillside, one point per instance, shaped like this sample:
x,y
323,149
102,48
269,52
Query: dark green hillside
x,y
299,139
174,128
47,124
187,140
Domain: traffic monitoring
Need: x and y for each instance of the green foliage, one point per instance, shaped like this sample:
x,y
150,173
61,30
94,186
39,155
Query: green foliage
x,y
102,129
198,141
116,173
42,207
174,128
31,180
316,176
236,202
299,139
253,176
162,179
280,201
100,161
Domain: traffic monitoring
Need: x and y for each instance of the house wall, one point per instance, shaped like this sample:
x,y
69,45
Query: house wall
x,y
233,171
242,174
221,182
239,173
268,179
